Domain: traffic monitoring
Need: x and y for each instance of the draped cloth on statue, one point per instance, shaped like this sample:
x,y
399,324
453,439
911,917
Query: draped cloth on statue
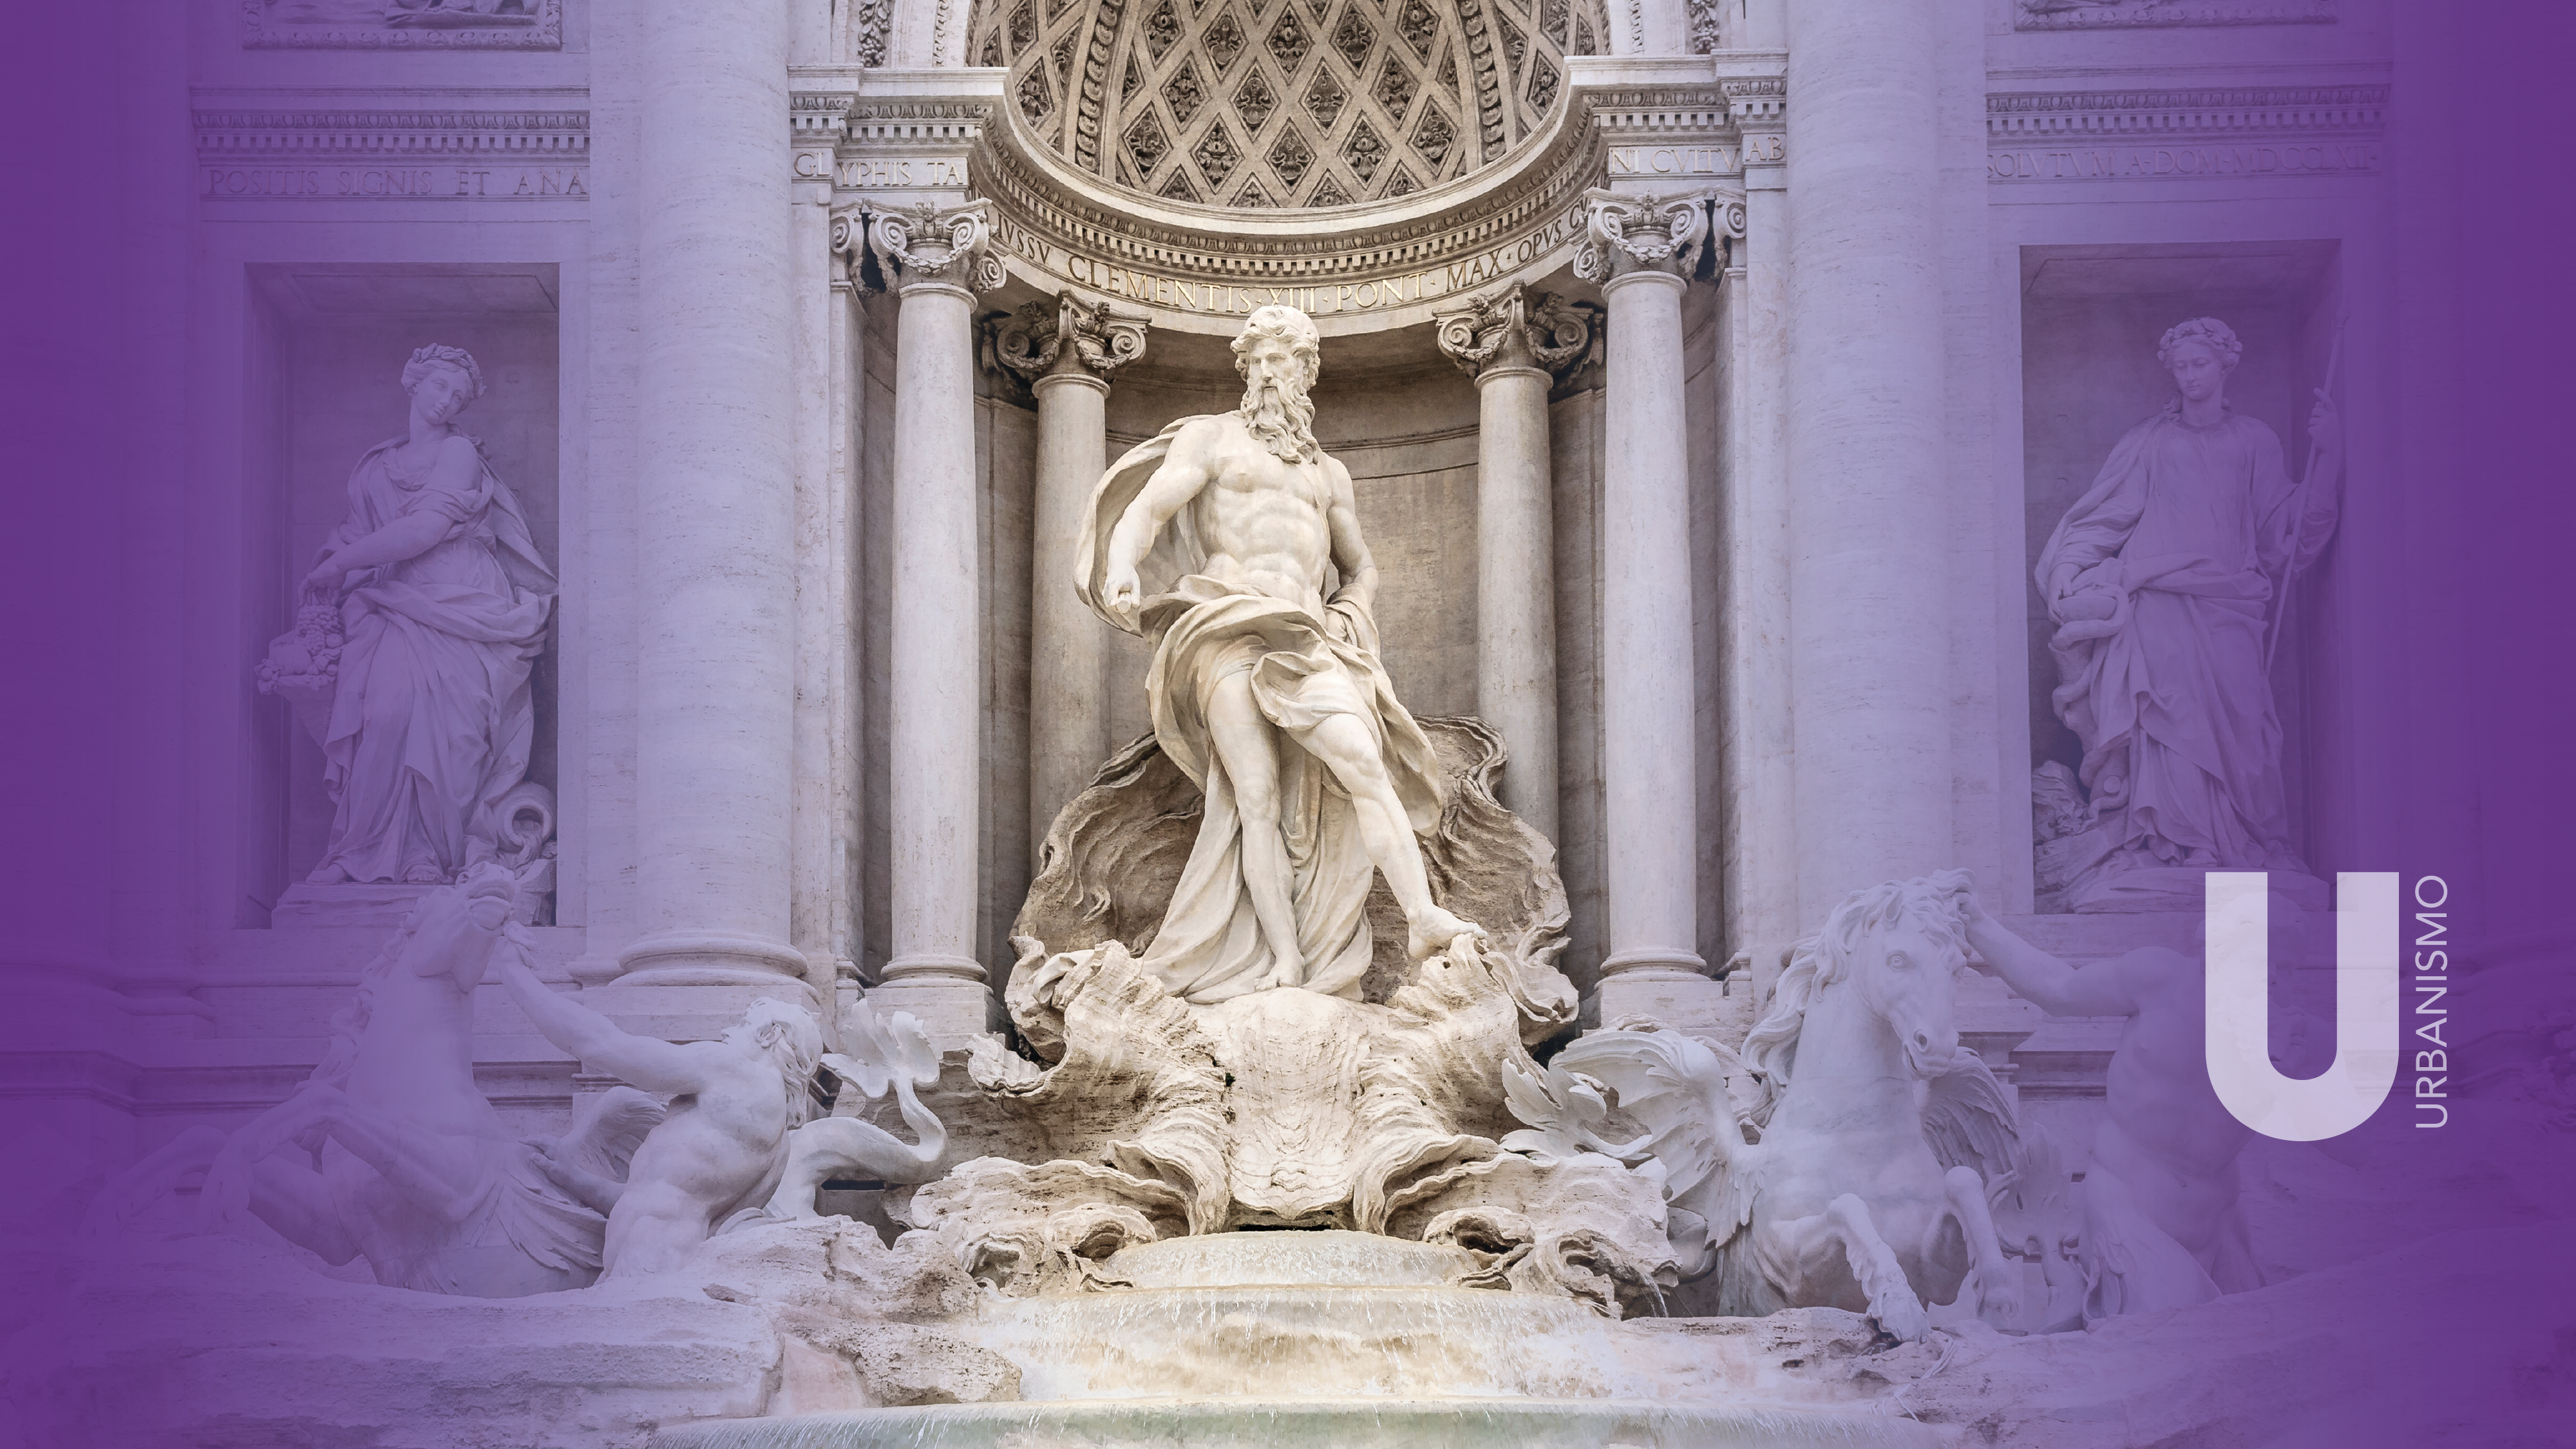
x,y
1304,668
432,719
2192,532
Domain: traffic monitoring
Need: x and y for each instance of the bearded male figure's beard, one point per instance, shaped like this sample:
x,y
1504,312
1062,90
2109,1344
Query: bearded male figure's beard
x,y
1280,417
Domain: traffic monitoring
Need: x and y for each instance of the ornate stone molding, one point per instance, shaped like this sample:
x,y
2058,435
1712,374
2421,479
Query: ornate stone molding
x,y
1707,26
1625,234
1756,100
2305,110
1068,335
528,25
2115,135
869,23
1515,328
2138,14
925,245
408,154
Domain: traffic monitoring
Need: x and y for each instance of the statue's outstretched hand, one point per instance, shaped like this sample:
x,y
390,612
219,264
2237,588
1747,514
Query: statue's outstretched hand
x,y
1123,592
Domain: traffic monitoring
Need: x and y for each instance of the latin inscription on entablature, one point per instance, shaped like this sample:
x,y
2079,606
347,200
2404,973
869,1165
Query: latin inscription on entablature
x,y
2216,158
1692,160
402,183
1316,296
399,155
877,172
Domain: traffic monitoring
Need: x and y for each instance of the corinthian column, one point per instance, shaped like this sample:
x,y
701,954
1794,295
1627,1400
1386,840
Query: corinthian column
x,y
1512,344
1869,539
1067,350
716,502
1641,250
936,260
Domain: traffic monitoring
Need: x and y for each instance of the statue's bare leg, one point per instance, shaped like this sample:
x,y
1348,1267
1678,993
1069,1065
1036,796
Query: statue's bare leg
x,y
1345,747
1247,745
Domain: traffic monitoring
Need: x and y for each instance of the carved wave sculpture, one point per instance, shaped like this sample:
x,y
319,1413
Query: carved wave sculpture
x,y
1286,1107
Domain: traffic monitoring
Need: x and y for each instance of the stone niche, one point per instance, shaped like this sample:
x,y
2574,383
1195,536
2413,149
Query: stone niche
x,y
1403,418
328,343
2091,320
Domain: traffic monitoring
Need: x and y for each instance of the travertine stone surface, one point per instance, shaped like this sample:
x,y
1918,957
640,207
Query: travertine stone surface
x,y
716,514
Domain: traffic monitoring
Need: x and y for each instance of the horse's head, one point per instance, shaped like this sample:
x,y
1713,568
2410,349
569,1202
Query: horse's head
x,y
1902,946
454,928
1899,947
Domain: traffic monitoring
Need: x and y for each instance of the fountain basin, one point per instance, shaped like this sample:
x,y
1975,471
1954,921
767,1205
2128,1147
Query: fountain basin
x,y
1356,1423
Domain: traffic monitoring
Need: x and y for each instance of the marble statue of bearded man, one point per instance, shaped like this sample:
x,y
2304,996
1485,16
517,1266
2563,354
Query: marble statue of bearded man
x,y
2162,580
443,601
1217,539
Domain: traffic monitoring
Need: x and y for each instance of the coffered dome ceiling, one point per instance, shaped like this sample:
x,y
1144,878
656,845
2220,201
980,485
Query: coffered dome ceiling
x,y
1283,103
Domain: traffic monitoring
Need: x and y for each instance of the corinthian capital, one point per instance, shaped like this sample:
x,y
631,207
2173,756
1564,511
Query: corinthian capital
x,y
926,244
1515,328
1623,234
1068,335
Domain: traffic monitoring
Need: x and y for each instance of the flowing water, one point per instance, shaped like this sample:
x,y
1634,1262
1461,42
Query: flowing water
x,y
1283,1339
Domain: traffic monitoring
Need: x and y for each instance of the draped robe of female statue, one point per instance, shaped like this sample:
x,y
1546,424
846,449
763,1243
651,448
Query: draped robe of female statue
x,y
433,717
2192,532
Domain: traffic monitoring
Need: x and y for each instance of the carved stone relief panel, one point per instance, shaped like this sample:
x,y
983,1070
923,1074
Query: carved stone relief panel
x,y
403,24
2134,14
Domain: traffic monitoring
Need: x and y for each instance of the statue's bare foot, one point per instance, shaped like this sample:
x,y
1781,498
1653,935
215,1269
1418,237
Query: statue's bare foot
x,y
329,872
424,875
1431,933
1283,971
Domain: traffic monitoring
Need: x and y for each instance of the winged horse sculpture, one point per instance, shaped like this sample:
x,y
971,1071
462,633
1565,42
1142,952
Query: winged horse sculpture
x,y
1857,1176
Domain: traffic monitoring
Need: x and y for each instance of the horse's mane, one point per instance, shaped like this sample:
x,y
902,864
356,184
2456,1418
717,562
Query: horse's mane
x,y
1931,903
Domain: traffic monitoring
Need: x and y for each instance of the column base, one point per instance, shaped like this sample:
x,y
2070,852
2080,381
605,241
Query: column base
x,y
1670,988
946,994
692,985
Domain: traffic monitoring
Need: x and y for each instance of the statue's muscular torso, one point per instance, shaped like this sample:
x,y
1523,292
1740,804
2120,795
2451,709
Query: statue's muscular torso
x,y
1265,523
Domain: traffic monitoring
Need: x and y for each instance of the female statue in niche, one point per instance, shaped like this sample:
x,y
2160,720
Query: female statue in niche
x,y
2163,580
443,603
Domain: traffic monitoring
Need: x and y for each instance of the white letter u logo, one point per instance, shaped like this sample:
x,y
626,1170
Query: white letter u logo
x,y
2239,1006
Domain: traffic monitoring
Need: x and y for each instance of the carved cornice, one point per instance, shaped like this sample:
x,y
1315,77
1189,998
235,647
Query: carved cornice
x,y
539,26
2303,110
1757,102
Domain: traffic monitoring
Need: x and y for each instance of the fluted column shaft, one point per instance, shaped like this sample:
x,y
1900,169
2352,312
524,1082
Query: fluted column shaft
x,y
1646,658
1516,585
1067,349
1068,709
1869,537
716,504
936,637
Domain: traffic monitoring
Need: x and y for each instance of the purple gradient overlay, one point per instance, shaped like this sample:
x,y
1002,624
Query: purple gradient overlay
x,y
2471,714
